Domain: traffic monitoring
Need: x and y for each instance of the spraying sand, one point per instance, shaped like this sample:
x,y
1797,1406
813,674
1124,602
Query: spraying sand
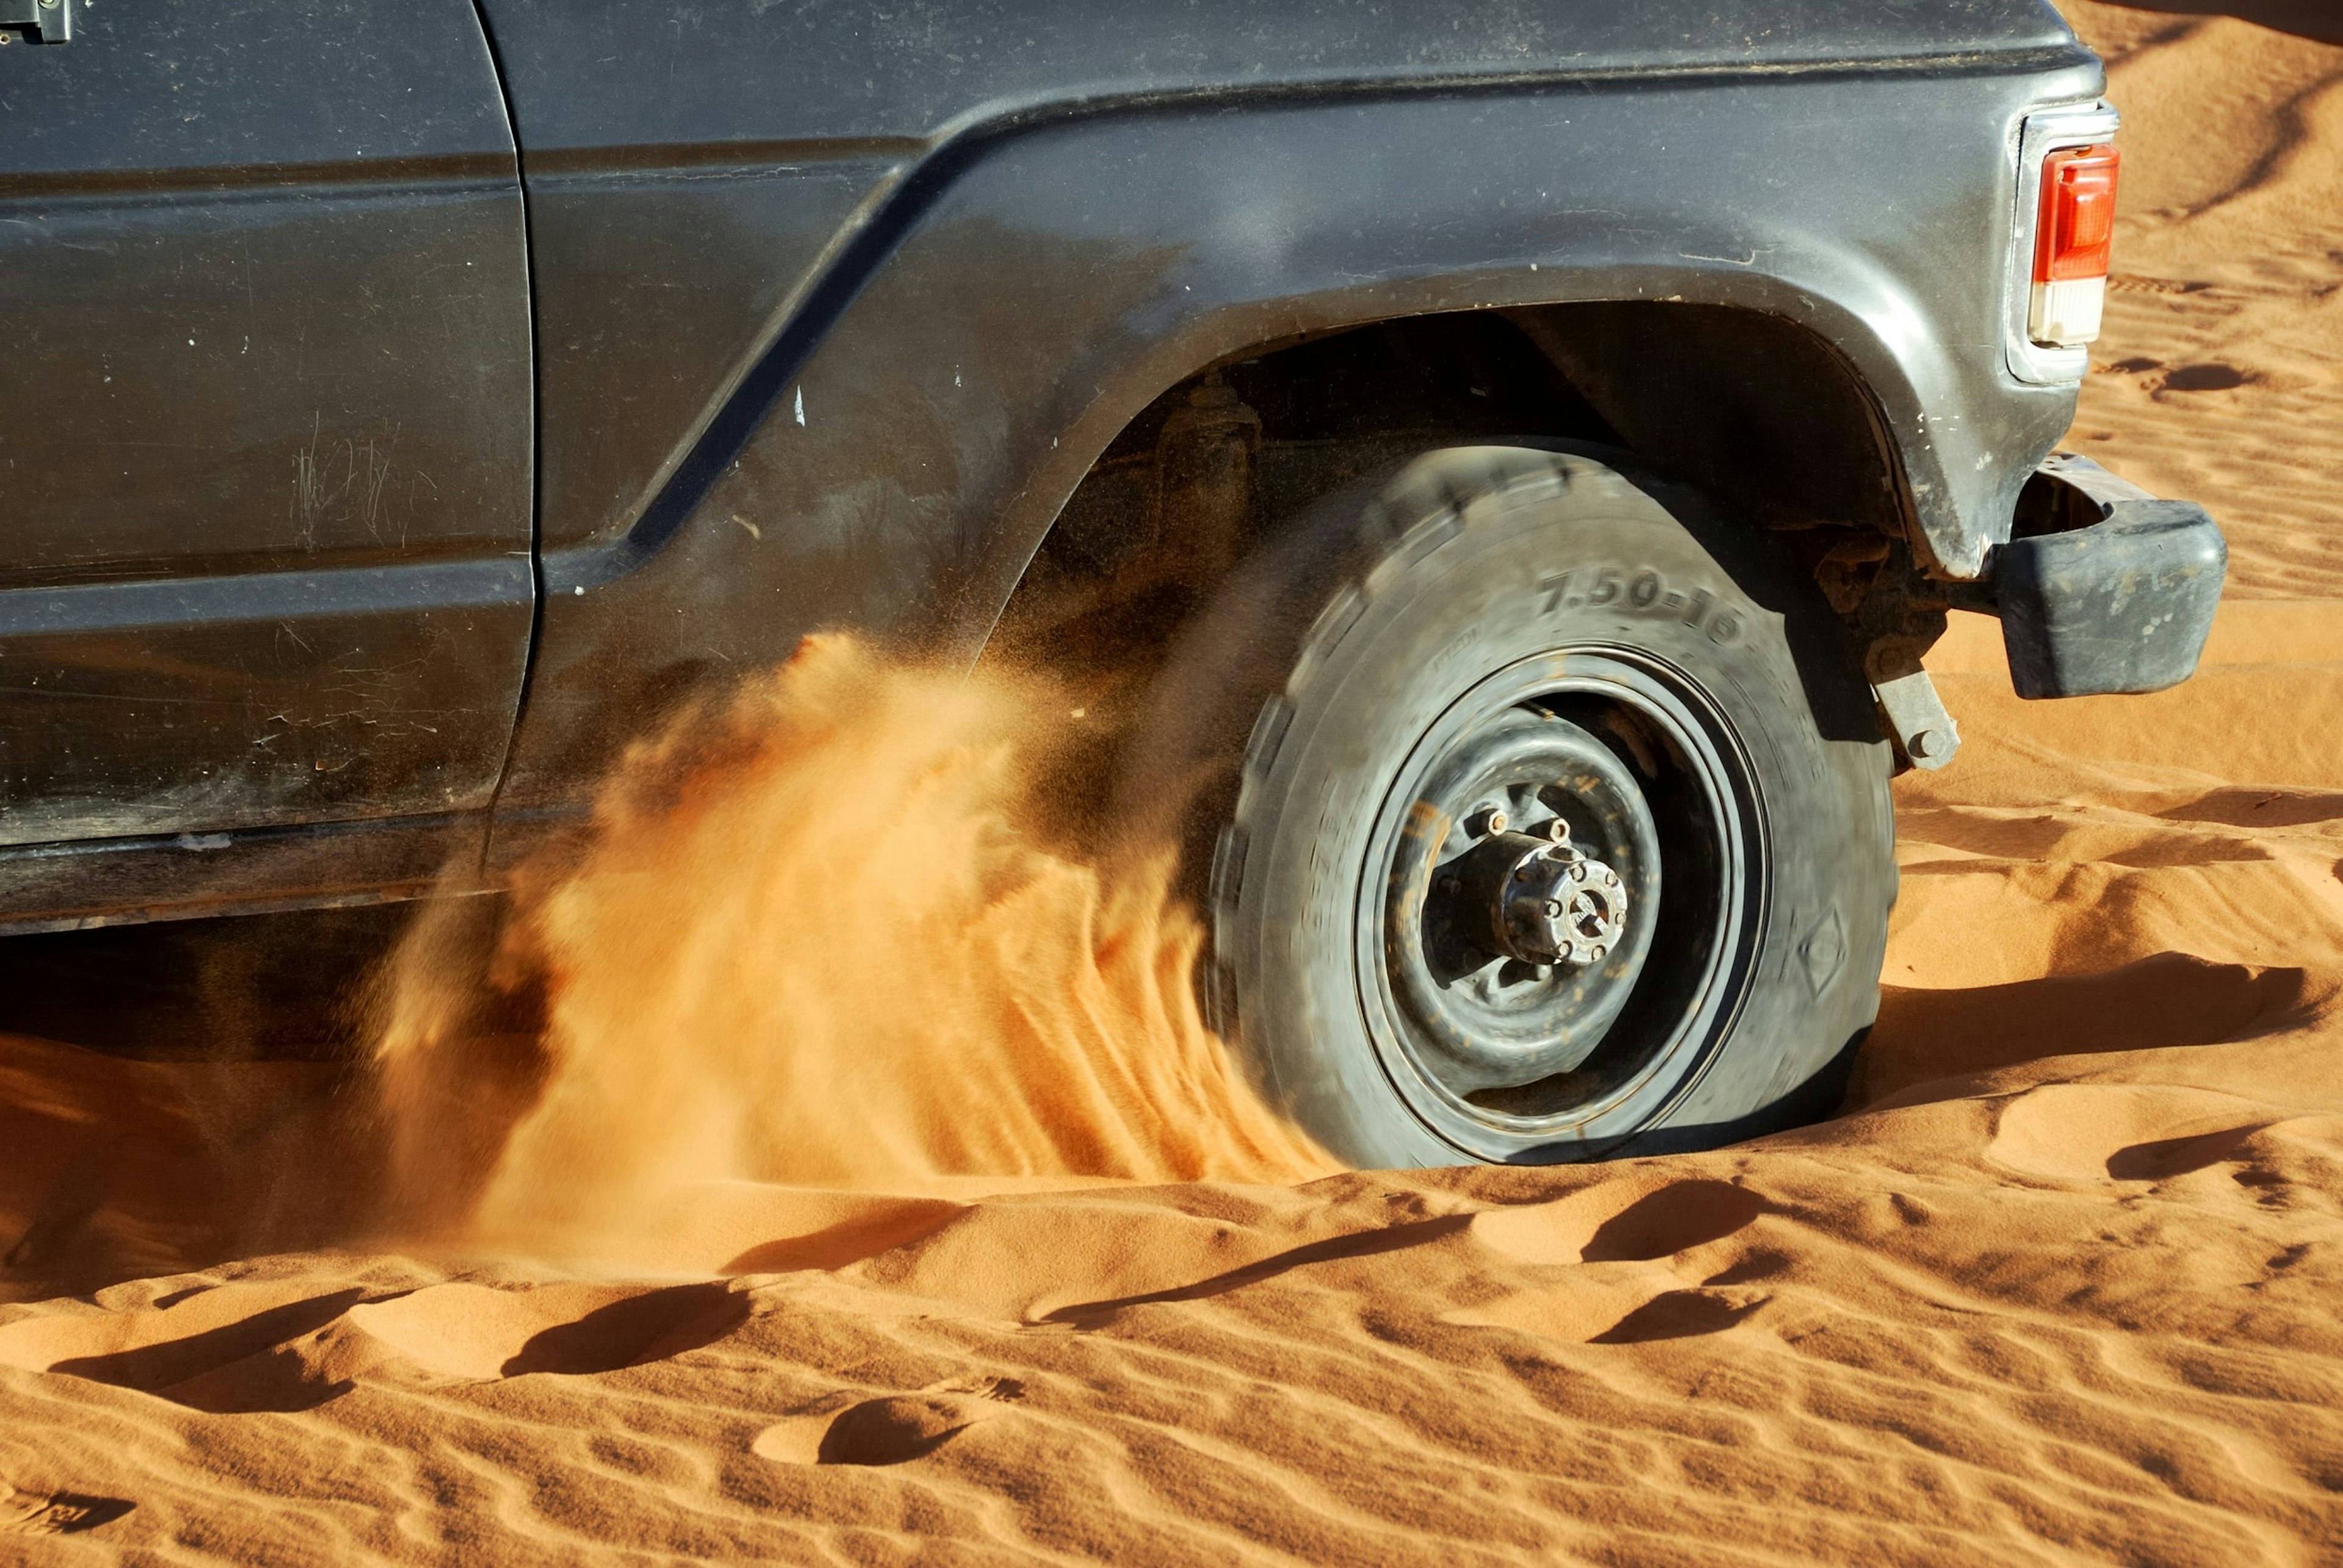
x,y
815,939
2060,1287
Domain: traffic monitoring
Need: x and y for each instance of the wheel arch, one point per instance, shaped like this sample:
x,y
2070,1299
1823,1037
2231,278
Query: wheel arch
x,y
915,438
1757,410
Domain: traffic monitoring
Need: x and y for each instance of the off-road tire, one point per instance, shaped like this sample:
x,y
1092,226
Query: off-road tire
x,y
1274,744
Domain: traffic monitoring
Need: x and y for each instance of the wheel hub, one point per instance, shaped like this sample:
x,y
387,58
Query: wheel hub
x,y
1534,897
1558,907
1518,909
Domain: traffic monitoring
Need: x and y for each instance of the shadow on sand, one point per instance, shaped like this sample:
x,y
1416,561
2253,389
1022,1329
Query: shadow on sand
x,y
2170,999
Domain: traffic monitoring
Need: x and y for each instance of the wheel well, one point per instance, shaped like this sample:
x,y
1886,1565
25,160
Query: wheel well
x,y
1750,408
1753,408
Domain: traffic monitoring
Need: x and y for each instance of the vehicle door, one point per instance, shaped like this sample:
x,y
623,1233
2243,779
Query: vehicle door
x,y
264,414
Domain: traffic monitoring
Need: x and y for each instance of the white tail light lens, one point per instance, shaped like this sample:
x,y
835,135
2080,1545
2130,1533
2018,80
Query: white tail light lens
x,y
2073,238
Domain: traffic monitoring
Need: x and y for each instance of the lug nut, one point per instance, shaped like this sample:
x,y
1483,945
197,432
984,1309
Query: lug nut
x,y
1488,823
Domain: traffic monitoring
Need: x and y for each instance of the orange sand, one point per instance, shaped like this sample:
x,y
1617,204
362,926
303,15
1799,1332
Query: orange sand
x,y
2061,1286
817,937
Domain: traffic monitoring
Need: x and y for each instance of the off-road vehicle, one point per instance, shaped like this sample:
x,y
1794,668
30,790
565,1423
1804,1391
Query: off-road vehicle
x,y
1522,449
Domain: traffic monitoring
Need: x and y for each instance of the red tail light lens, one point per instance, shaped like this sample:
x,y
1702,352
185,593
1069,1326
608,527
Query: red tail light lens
x,y
2078,214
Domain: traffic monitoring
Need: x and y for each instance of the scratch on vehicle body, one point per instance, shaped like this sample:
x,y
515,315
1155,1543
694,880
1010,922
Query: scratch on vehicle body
x,y
305,487
365,473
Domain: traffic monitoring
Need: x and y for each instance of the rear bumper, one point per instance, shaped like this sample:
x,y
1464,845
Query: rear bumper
x,y
2105,588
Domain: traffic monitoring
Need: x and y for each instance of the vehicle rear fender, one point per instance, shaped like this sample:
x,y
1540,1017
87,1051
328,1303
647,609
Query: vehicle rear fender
x,y
892,459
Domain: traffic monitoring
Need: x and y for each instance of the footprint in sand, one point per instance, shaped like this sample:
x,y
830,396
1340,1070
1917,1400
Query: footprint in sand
x,y
1619,1222
239,1349
55,1512
1618,1239
2132,1132
220,1348
1682,1316
888,1431
2208,377
479,1333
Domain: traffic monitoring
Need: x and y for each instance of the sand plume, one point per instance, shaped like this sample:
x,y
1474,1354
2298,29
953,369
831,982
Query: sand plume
x,y
817,937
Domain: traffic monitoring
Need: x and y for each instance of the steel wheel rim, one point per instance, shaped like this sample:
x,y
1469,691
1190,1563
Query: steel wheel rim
x,y
1683,965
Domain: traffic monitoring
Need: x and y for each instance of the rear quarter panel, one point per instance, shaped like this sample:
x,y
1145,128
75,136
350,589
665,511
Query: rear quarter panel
x,y
1035,256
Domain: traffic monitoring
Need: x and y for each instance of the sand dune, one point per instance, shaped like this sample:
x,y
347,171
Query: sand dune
x,y
2221,373
2059,1286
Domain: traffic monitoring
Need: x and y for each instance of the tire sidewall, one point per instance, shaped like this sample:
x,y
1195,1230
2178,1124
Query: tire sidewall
x,y
1568,553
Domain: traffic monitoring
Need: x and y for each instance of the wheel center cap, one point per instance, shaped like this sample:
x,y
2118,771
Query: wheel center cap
x,y
1557,906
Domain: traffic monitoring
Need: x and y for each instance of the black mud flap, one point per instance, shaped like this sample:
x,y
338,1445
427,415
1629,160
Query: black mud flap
x,y
2104,588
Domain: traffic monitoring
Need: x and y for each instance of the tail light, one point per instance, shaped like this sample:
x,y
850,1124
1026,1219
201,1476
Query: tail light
x,y
2072,239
